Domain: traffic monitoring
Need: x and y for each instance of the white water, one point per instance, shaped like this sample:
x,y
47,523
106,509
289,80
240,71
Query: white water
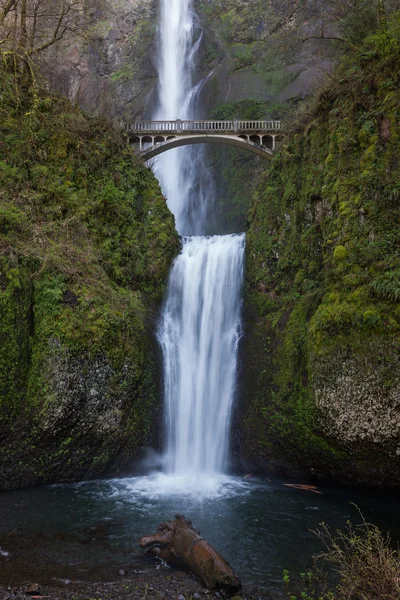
x,y
184,179
199,337
200,326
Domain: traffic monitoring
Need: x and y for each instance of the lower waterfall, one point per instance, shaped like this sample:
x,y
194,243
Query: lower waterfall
x,y
199,335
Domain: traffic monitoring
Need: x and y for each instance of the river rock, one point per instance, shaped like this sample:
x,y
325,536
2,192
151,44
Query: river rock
x,y
33,588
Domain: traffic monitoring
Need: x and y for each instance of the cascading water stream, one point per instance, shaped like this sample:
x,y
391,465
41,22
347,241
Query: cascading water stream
x,y
199,336
184,179
200,326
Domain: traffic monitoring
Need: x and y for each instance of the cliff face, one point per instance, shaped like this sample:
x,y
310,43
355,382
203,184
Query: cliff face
x,y
86,240
248,50
321,389
108,68
254,49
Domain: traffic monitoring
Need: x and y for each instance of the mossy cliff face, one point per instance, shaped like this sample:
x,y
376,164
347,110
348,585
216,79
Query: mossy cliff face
x,y
254,50
322,370
86,241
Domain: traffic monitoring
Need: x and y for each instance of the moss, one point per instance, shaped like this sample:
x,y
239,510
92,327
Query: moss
x,y
86,241
322,273
15,313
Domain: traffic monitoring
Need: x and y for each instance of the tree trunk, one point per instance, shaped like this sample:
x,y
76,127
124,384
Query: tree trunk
x,y
23,27
180,545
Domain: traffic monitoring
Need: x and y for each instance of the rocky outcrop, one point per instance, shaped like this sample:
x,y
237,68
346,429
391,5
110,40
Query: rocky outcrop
x,y
255,50
358,395
248,50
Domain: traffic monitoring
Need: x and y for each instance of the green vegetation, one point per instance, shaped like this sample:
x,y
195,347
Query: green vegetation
x,y
366,566
250,109
86,241
323,267
239,171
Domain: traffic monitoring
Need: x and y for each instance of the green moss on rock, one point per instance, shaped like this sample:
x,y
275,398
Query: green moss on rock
x,y
322,349
86,241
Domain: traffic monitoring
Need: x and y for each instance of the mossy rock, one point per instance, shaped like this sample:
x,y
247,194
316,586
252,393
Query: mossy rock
x,y
321,361
86,242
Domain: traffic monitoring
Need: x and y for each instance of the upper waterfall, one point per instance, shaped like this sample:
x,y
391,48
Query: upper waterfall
x,y
185,181
174,65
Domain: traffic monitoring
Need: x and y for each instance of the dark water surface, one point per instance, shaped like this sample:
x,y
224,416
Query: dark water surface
x,y
88,531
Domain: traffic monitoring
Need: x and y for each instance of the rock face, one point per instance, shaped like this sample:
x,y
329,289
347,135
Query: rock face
x,y
108,72
321,381
254,50
247,51
359,397
86,241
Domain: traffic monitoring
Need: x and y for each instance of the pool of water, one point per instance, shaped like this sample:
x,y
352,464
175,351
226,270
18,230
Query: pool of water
x,y
90,530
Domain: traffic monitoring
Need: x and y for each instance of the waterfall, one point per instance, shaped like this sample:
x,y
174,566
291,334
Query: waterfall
x,y
199,336
184,179
200,325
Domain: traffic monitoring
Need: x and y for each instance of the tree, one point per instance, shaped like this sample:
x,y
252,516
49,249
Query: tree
x,y
28,27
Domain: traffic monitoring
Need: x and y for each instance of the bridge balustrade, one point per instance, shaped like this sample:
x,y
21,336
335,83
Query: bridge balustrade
x,y
182,127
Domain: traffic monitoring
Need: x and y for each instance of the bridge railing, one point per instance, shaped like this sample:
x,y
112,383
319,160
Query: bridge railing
x,y
179,127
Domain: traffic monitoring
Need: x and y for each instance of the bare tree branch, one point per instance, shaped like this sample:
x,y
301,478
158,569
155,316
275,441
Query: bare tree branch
x,y
38,24
9,5
322,36
327,37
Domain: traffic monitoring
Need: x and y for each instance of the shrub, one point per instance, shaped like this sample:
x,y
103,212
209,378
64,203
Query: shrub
x,y
367,566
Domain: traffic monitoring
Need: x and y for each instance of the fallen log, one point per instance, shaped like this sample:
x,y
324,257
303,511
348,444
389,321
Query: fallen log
x,y
180,545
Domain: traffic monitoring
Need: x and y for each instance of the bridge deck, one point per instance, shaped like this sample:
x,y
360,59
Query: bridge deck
x,y
188,127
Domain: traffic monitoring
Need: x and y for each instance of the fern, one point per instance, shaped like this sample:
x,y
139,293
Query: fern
x,y
387,285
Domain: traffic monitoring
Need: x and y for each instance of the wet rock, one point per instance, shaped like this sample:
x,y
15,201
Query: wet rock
x,y
180,597
122,573
33,588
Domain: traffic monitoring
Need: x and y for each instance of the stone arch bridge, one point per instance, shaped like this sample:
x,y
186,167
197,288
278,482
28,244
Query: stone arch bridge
x,y
151,138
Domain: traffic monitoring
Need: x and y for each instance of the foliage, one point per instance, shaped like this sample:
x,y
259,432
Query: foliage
x,y
323,263
250,109
86,241
366,564
387,285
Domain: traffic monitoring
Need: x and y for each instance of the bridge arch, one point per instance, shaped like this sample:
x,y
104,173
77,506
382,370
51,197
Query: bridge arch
x,y
176,142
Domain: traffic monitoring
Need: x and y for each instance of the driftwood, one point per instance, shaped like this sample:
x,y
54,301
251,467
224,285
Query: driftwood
x,y
180,545
301,486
